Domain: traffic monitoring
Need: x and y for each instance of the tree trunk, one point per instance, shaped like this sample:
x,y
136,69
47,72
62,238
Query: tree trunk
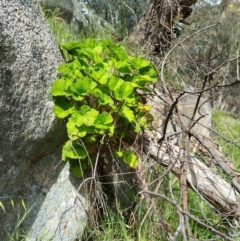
x,y
155,30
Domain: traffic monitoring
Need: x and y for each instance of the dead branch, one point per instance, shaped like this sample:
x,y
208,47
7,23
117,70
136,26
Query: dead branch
x,y
221,161
222,195
212,187
175,204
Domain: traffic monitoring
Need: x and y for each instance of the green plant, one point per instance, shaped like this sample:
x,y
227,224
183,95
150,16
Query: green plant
x,y
64,32
229,127
163,219
99,94
17,233
113,228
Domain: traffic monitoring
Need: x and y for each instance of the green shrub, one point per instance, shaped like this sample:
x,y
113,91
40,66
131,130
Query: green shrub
x,y
99,94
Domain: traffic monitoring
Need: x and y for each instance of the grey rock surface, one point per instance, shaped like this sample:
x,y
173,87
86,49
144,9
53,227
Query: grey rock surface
x,y
76,14
30,136
58,210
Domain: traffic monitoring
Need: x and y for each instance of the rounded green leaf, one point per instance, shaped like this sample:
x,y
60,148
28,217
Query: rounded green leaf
x,y
123,90
142,80
120,53
103,120
81,87
97,56
122,66
64,69
84,109
73,150
84,130
71,45
118,154
104,79
105,100
72,129
90,117
127,113
78,73
63,107
60,87
97,74
77,118
130,158
114,81
139,62
96,92
98,49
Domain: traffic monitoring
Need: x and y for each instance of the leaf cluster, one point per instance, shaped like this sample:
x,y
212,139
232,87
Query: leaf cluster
x,y
98,92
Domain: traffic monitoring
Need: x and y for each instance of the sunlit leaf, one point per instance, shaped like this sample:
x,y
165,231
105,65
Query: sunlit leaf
x,y
97,74
105,100
90,117
63,107
114,81
127,113
130,158
123,90
84,130
2,207
142,80
98,49
144,107
12,203
81,87
121,54
96,92
60,87
139,62
122,66
24,205
103,120
73,150
118,154
84,109
77,118
104,79
72,131
70,45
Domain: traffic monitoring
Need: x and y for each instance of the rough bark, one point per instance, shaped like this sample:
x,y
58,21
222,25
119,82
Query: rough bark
x,y
155,29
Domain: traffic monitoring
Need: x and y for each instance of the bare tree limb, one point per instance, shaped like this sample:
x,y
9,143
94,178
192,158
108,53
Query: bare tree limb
x,y
218,192
175,204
